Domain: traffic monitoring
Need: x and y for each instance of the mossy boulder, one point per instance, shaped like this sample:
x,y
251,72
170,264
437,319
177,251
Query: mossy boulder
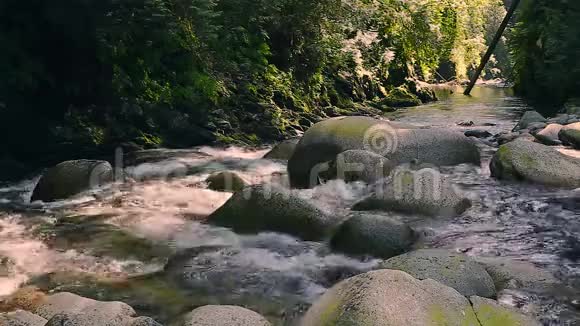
x,y
570,135
422,191
70,178
389,297
225,181
283,151
400,97
549,135
359,165
272,208
455,270
396,142
375,235
212,315
537,163
21,318
492,313
527,119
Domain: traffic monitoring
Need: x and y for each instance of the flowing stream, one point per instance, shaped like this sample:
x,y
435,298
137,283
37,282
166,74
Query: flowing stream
x,y
278,275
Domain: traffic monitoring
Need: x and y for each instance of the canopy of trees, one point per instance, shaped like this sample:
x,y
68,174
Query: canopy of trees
x,y
85,75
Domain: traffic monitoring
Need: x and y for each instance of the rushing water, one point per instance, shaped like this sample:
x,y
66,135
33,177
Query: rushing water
x,y
279,275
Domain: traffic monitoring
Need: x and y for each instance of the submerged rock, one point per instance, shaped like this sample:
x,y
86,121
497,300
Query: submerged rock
x,y
223,316
272,208
492,313
359,165
529,118
398,143
283,151
21,318
526,160
423,191
71,177
225,181
388,297
375,235
455,270
478,133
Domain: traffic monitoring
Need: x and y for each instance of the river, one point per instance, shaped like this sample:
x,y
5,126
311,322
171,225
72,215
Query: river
x,y
274,274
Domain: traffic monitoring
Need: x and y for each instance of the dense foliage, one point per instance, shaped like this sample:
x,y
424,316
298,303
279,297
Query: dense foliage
x,y
546,50
82,76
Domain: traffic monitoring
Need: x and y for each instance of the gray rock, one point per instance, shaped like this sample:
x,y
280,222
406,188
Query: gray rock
x,y
527,119
359,165
424,191
549,135
71,177
21,318
272,208
525,160
535,127
283,151
570,135
455,270
514,274
560,119
506,137
72,305
398,143
143,321
375,235
6,266
225,181
223,316
492,313
388,297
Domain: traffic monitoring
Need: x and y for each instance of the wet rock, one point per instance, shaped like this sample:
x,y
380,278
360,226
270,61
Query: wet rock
x,y
570,135
143,321
478,133
283,151
71,177
525,160
455,270
549,135
512,274
424,191
224,316
506,137
272,208
6,266
21,318
71,304
492,313
400,97
359,165
466,123
388,297
560,119
375,235
533,128
326,139
527,119
225,181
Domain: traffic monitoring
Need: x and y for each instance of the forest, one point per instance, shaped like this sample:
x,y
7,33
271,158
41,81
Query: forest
x,y
89,76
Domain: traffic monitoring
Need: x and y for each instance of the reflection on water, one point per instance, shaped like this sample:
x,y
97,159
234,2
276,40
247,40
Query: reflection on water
x,y
274,273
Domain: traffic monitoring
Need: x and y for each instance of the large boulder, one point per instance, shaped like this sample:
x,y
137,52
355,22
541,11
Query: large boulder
x,y
455,270
272,208
388,297
570,135
21,318
71,177
549,135
529,118
423,191
359,165
492,313
514,274
376,235
283,151
223,316
525,160
398,143
225,181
